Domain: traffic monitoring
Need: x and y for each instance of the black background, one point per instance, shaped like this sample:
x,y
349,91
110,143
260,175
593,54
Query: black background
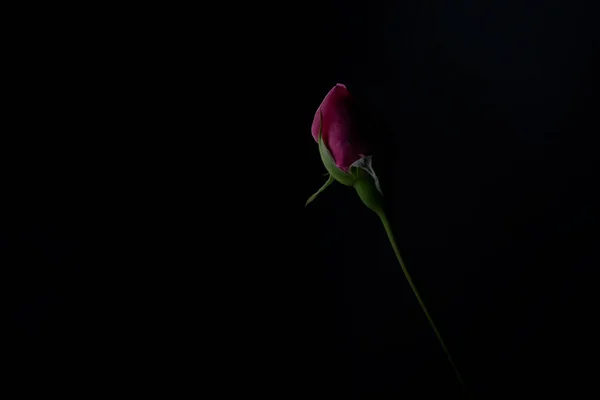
x,y
155,237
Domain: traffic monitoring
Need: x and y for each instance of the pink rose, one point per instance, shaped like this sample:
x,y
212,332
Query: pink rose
x,y
340,122
338,128
341,129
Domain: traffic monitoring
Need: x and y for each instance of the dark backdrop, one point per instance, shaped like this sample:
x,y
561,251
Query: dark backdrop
x,y
491,168
156,238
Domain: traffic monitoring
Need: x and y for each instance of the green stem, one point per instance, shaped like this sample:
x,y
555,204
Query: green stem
x,y
391,237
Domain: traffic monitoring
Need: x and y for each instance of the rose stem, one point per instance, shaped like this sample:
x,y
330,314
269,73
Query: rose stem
x,y
392,238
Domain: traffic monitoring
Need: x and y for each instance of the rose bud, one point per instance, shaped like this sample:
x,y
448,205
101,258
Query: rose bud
x,y
343,144
337,128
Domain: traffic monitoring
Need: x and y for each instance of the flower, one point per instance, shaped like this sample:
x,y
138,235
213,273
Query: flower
x,y
341,131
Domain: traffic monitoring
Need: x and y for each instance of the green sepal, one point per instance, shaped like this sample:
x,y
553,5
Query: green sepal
x,y
339,175
368,191
314,196
362,166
